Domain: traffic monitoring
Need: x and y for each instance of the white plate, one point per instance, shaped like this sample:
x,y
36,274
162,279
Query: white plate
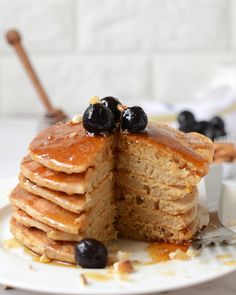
x,y
18,270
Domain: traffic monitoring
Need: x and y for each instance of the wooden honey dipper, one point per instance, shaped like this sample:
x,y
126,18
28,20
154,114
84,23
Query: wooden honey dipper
x,y
53,115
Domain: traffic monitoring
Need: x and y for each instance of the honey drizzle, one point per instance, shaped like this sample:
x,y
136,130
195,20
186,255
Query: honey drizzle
x,y
98,276
52,214
56,143
11,243
51,176
36,258
50,144
159,252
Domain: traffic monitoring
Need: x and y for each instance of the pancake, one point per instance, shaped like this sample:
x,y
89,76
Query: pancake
x,y
67,147
149,202
166,174
153,232
47,212
129,210
175,153
26,220
101,231
147,186
76,183
37,241
157,174
55,216
73,203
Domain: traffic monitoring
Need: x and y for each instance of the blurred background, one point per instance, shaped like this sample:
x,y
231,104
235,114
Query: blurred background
x,y
165,55
154,50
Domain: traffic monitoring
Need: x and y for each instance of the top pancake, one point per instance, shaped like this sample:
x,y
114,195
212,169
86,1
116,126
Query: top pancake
x,y
67,147
190,150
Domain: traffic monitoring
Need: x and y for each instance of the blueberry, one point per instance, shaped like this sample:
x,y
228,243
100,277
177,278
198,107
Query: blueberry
x,y
201,126
219,133
112,103
187,127
210,132
217,122
90,253
98,119
186,117
133,119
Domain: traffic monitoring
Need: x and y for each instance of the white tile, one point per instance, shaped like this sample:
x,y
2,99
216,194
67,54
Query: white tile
x,y
152,24
71,81
45,25
180,77
232,23
16,92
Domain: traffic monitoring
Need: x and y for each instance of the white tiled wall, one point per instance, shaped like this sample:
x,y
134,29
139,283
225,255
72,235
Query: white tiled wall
x,y
162,50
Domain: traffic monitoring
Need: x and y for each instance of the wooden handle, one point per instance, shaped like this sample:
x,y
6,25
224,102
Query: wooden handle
x,y
14,39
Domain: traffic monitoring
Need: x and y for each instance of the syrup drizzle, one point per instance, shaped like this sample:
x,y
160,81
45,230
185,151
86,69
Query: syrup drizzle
x,y
56,144
159,252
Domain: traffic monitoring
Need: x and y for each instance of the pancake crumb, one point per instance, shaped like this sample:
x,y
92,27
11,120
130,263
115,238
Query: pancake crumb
x,y
122,255
178,255
123,266
73,134
77,119
31,267
94,100
44,259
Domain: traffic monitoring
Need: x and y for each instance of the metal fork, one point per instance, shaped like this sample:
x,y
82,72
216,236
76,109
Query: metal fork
x,y
215,233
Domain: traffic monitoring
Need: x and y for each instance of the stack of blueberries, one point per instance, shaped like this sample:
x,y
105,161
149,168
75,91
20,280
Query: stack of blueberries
x,y
214,128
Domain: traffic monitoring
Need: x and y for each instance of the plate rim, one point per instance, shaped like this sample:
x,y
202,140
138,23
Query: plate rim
x,y
180,286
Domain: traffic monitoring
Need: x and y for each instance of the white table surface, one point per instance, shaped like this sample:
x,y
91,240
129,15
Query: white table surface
x,y
15,134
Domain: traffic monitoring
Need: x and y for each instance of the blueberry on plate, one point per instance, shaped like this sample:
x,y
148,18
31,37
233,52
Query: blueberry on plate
x,y
98,119
112,103
133,119
186,118
217,122
90,253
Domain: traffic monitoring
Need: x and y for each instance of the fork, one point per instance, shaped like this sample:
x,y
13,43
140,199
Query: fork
x,y
215,233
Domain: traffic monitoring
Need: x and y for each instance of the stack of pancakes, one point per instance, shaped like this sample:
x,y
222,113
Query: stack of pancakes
x,y
65,192
73,185
157,183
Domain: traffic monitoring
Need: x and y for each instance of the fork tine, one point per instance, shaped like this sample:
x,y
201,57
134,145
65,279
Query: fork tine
x,y
213,241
